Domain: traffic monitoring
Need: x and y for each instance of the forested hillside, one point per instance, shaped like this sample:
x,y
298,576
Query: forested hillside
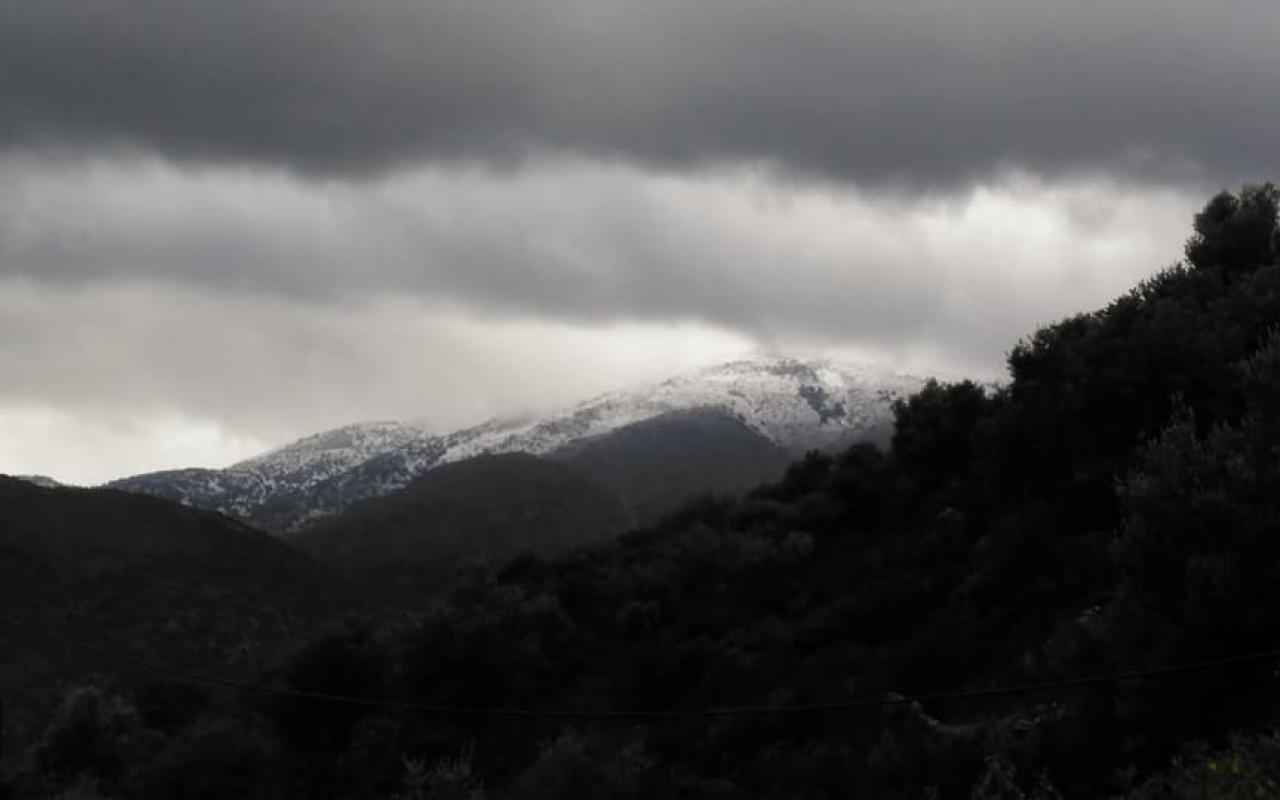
x,y
401,547
192,588
1114,508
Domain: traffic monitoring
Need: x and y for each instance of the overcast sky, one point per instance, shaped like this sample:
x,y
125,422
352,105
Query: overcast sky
x,y
225,225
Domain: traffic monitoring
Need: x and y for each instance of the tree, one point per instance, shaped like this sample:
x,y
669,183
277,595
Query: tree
x,y
1236,233
94,737
933,430
347,661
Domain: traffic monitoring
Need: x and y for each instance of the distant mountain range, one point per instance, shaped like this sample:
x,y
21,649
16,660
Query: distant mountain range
x,y
719,429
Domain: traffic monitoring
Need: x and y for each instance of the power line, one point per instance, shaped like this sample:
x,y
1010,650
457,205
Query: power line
x,y
722,711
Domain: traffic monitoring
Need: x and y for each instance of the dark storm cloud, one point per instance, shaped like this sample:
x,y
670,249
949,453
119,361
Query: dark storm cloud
x,y
926,93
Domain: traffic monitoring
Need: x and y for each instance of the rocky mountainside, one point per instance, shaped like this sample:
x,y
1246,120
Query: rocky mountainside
x,y
795,405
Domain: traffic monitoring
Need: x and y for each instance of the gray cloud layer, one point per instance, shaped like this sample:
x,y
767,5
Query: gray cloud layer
x,y
589,244
227,223
928,93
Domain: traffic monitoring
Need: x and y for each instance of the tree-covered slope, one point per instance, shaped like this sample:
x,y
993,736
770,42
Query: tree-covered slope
x,y
481,507
164,582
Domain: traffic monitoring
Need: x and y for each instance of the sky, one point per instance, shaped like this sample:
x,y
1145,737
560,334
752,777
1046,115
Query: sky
x,y
227,225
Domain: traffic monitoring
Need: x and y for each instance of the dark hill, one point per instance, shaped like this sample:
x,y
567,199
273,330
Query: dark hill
x,y
170,584
140,570
484,506
656,464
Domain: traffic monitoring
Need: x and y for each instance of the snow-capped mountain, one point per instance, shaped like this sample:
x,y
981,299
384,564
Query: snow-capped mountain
x,y
307,462
798,405
244,489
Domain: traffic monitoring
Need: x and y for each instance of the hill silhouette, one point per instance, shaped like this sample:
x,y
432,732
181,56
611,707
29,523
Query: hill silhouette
x,y
655,465
188,588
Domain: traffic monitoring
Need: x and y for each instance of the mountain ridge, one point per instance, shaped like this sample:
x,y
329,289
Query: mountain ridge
x,y
795,404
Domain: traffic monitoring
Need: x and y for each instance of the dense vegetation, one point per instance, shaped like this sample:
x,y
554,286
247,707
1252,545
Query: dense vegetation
x,y
145,576
1115,505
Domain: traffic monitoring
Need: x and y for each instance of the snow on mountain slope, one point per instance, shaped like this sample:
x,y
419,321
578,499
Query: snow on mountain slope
x,y
243,489
309,461
796,404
